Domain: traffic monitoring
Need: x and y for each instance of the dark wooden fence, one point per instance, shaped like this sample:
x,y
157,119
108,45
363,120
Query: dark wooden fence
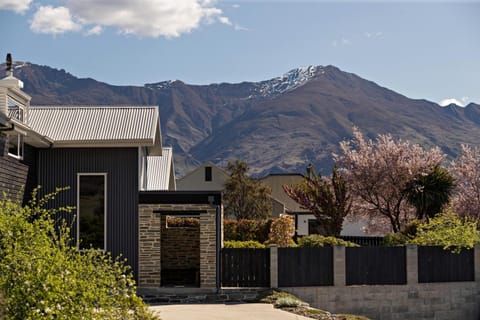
x,y
300,267
438,265
245,267
364,241
375,265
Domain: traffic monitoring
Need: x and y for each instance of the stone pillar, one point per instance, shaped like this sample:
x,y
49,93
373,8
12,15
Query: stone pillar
x,y
412,264
208,253
149,264
476,262
339,270
273,266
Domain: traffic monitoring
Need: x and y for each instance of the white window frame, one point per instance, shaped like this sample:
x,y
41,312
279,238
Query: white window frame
x,y
104,174
20,146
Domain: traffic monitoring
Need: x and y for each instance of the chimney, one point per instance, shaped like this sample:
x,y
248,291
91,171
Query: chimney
x,y
9,65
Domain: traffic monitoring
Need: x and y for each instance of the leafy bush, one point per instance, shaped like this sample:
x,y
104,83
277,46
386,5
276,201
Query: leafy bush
x,y
182,222
43,277
230,230
316,240
404,236
287,302
282,231
251,244
245,230
448,230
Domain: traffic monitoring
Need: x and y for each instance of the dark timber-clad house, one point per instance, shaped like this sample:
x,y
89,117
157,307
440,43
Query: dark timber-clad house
x,y
111,159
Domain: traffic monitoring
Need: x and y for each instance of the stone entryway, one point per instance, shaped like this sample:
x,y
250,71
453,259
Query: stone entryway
x,y
170,257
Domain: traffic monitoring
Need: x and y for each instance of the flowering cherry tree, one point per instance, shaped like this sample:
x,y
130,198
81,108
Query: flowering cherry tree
x,y
466,170
379,173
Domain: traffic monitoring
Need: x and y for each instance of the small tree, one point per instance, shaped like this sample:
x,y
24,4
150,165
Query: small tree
x,y
378,173
466,170
430,193
327,199
244,197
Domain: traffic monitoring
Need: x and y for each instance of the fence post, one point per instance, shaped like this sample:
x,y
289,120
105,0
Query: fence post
x,y
273,266
476,261
339,275
412,264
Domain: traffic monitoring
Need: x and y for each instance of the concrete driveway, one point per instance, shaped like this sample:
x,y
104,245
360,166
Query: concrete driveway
x,y
250,311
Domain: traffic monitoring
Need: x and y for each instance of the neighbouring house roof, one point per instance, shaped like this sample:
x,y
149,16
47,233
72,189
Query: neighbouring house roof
x,y
161,171
98,126
276,181
195,179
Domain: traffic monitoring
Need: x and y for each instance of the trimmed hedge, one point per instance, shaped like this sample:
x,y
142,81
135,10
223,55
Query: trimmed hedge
x,y
316,240
243,245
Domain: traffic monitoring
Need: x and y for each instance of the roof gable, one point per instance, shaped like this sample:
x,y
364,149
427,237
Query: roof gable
x,y
71,126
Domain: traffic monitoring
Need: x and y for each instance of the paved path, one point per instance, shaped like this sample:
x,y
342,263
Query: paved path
x,y
244,311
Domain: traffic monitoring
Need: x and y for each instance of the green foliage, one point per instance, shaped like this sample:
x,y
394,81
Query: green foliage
x,y
245,230
316,240
327,199
272,295
430,193
243,244
403,237
43,277
282,231
287,302
182,222
448,230
244,197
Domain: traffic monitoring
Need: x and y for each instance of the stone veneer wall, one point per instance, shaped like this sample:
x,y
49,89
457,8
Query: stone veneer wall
x,y
150,243
180,247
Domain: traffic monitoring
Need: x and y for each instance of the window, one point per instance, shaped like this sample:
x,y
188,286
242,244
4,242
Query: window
x,y
208,173
315,227
15,111
15,145
91,211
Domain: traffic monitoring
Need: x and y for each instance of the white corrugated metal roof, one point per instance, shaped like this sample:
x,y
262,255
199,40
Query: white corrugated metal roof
x,y
159,170
96,124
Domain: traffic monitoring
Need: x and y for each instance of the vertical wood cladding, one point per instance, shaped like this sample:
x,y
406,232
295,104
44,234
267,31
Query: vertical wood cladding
x,y
59,168
17,177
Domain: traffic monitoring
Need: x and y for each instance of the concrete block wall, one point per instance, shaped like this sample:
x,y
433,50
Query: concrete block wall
x,y
150,243
440,301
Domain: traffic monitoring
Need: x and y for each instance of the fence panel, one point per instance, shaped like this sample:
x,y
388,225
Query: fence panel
x,y
364,241
438,265
245,267
301,267
375,265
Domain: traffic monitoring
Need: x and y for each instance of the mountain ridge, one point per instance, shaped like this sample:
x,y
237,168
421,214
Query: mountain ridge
x,y
276,125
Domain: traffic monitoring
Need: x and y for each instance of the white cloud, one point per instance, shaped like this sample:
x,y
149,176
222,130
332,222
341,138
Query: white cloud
x,y
225,20
94,31
53,20
446,102
19,6
342,42
236,6
152,18
373,34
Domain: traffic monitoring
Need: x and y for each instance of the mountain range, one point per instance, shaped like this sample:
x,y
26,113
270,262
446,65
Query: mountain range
x,y
278,125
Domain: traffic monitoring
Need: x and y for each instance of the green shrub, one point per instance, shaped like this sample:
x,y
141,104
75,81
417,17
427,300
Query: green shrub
x,y
43,277
247,229
251,244
230,230
316,240
281,231
182,222
395,239
448,230
287,302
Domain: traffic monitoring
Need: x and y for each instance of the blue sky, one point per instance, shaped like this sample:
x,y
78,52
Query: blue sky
x,y
427,49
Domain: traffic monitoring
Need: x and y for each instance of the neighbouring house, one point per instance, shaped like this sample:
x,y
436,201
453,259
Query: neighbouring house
x,y
305,221
206,177
119,178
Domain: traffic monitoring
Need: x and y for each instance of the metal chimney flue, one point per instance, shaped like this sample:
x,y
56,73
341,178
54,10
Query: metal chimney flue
x,y
9,64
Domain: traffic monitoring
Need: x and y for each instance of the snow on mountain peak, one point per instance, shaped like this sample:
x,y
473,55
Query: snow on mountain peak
x,y
291,80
